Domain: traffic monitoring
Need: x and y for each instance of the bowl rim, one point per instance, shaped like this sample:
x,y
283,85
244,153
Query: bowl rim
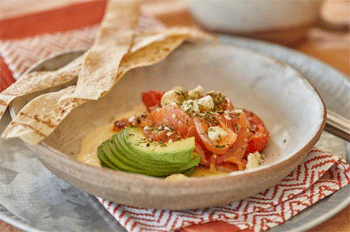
x,y
114,175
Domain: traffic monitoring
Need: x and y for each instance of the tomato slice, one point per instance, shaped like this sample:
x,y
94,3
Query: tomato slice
x,y
258,134
152,98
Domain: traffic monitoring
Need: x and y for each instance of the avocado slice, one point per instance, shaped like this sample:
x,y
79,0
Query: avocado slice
x,y
133,159
176,152
108,158
124,158
113,162
104,160
141,159
127,151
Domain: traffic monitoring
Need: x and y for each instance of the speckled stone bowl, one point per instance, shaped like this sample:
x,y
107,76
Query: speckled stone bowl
x,y
290,107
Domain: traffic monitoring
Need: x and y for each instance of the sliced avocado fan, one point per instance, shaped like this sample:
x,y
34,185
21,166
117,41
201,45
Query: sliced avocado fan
x,y
130,151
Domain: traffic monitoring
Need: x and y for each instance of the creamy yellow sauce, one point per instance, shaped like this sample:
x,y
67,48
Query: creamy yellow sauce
x,y
204,171
89,145
88,152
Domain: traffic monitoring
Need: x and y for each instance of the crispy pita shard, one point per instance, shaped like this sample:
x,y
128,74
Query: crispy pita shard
x,y
150,55
143,40
159,50
113,41
41,116
41,80
102,66
38,81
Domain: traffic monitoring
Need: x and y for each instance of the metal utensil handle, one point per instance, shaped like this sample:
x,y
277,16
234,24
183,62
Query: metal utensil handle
x,y
338,125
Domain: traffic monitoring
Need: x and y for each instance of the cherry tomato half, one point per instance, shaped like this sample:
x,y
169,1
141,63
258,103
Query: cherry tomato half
x,y
258,134
152,98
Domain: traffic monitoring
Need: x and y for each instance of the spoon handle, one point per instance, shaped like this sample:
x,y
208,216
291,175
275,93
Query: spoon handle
x,y
337,125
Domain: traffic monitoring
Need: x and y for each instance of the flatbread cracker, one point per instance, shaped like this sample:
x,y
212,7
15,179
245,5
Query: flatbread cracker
x,y
158,50
114,40
118,49
32,122
142,40
38,81
145,38
116,34
40,117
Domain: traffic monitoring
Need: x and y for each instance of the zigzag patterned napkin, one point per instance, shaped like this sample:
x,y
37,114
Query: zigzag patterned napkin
x,y
318,176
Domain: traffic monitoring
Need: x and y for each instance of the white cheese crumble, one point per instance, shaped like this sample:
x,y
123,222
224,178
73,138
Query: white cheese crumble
x,y
196,93
205,103
190,106
238,111
226,115
254,160
176,96
216,133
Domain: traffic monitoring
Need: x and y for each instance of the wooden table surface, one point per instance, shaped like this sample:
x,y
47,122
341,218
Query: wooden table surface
x,y
333,48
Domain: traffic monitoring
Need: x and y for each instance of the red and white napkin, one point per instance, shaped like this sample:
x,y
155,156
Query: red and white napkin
x,y
320,175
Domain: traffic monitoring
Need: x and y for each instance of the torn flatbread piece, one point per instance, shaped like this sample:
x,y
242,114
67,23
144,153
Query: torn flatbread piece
x,y
170,36
38,81
41,116
158,50
114,40
42,80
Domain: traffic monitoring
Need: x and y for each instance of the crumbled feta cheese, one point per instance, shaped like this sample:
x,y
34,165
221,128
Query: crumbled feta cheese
x,y
218,97
171,96
227,116
216,133
254,160
190,106
205,103
169,133
196,93
238,111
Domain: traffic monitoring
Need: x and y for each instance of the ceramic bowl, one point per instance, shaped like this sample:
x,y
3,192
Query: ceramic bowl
x,y
248,16
290,107
284,22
